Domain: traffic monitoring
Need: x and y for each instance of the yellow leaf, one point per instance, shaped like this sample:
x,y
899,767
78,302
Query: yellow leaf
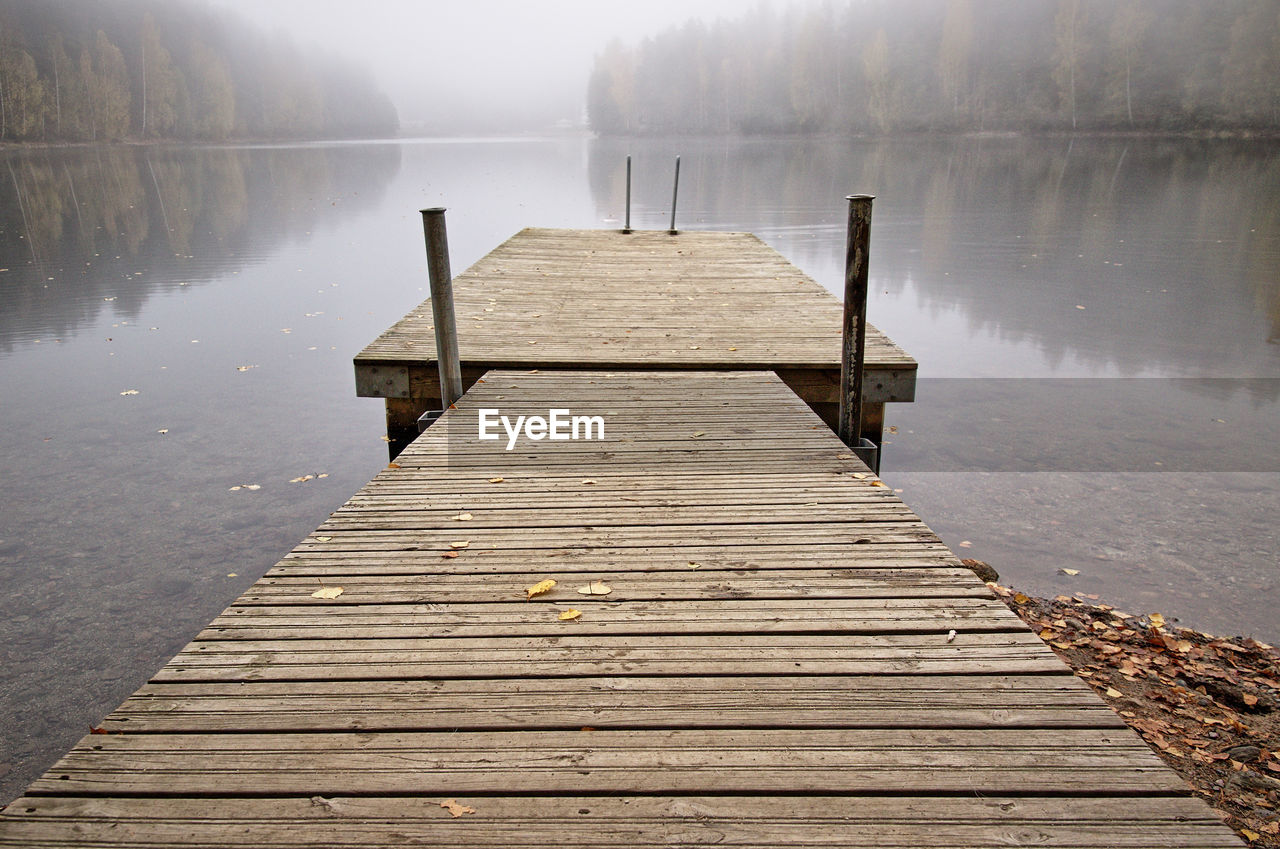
x,y
539,588
1113,693
698,434
588,482
595,588
462,517
455,809
886,486
1251,834
393,465
323,539
234,575
496,480
1021,598
1156,619
462,544
693,565
129,392
1180,646
1072,572
327,592
566,615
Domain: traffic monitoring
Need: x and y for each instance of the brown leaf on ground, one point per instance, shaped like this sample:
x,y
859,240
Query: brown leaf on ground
x,y
455,809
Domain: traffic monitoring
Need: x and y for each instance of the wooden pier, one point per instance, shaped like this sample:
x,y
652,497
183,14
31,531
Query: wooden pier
x,y
601,299
769,650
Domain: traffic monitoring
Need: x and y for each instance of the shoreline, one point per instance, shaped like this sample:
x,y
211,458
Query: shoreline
x,y
1208,706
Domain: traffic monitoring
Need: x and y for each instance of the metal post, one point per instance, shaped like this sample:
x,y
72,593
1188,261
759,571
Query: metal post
x,y
854,332
675,192
626,227
446,328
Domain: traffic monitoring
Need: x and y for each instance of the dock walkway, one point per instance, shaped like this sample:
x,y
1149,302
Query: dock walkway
x,y
786,656
602,299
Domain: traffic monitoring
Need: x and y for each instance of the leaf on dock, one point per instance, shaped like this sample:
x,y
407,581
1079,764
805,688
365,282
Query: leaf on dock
x,y
539,588
460,544
595,588
496,480
327,592
462,517
571,613
455,809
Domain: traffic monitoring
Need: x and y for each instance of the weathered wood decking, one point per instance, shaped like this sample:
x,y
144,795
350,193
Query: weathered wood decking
x,y
773,666
644,300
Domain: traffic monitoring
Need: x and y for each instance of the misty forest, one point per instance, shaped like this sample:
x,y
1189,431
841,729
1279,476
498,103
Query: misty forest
x,y
952,65
121,69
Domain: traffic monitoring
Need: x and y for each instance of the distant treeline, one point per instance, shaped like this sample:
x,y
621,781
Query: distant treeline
x,y
72,70
877,66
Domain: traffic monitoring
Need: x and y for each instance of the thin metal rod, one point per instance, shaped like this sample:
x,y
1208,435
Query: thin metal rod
x,y
854,334
626,227
675,192
446,328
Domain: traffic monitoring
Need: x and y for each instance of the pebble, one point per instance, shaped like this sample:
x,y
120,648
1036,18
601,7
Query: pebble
x,y
1244,754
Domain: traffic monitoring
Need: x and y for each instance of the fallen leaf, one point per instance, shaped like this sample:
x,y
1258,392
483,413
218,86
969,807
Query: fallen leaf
x,y
462,517
129,392
327,592
566,615
858,475
1156,620
96,730
698,434
393,465
1248,699
964,543
302,479
1072,572
449,554
323,539
693,565
455,809
886,486
163,430
1021,598
595,588
951,635
539,588
1113,693
244,368
462,544
496,480
588,482
1250,834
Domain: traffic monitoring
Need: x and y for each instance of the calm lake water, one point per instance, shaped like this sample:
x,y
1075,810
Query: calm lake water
x,y
1097,324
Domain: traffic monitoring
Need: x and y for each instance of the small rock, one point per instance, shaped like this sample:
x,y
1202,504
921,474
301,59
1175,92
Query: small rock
x,y
1244,754
1248,780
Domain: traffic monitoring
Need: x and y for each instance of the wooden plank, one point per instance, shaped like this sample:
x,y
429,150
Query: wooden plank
x,y
903,761
867,701
516,822
394,621
517,657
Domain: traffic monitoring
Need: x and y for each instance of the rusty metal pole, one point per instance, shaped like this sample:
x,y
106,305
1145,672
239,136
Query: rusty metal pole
x,y
675,192
446,328
854,333
626,227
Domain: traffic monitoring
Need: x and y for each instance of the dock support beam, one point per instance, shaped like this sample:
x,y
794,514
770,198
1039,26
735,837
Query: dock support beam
x,y
446,328
854,333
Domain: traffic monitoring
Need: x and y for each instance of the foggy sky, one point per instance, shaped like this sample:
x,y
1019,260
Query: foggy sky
x,y
476,63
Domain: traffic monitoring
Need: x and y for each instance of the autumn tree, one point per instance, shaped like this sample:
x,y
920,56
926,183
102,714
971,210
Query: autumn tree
x,y
161,83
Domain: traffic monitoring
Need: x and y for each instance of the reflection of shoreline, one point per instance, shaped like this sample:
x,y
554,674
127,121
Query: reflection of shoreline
x,y
90,225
